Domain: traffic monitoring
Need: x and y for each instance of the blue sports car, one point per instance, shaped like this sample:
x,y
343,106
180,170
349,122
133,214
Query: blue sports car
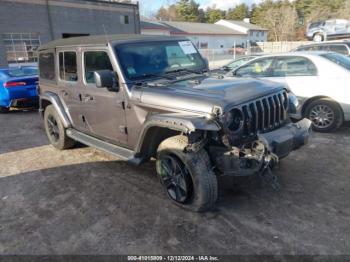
x,y
18,87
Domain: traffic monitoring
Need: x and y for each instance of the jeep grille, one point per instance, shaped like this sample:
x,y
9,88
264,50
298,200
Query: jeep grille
x,y
265,114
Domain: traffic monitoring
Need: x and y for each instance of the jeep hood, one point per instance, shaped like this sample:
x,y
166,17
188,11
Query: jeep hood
x,y
203,96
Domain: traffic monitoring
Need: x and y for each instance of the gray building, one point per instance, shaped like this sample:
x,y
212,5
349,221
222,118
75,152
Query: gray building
x,y
26,24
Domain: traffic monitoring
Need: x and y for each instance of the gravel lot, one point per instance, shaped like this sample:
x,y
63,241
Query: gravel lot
x,y
82,201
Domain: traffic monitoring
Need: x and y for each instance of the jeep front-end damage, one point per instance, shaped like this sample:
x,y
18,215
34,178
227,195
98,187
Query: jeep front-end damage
x,y
254,137
248,159
254,155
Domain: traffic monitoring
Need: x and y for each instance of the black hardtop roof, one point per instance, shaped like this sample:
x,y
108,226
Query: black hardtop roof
x,y
105,39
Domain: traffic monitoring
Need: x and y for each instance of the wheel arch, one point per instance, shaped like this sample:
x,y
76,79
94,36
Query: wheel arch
x,y
50,98
315,98
323,34
152,139
159,127
43,104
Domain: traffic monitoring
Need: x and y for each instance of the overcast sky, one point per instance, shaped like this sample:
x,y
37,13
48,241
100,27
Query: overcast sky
x,y
149,7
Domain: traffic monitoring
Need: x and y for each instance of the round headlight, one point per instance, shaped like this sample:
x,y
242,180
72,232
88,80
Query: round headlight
x,y
234,120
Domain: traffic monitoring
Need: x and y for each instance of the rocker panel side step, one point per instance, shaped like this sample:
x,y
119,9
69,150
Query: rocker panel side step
x,y
123,153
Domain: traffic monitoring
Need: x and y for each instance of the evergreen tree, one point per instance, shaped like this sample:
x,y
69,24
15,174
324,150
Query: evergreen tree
x,y
238,13
213,15
285,19
187,10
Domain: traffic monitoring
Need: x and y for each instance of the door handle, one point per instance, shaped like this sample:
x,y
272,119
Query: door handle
x,y
88,98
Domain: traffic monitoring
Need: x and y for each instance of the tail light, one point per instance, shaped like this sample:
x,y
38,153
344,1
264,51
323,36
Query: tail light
x,y
14,84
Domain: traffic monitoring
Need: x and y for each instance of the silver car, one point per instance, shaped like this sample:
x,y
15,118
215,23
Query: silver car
x,y
326,30
320,80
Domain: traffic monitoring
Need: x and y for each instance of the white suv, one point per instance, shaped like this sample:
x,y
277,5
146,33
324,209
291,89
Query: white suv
x,y
325,30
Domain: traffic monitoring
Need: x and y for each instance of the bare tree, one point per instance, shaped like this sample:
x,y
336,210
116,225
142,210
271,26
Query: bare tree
x,y
167,13
281,22
345,11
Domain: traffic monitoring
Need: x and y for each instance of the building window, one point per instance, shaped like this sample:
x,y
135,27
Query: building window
x,y
204,45
251,33
68,66
21,47
124,19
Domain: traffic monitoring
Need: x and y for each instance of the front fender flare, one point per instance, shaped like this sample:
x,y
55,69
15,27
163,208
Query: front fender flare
x,y
57,104
178,122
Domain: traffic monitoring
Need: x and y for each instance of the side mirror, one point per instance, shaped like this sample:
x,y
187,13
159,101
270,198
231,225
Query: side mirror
x,y
225,68
106,79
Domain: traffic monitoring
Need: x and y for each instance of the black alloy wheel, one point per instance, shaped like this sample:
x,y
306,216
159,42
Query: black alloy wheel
x,y
55,131
176,178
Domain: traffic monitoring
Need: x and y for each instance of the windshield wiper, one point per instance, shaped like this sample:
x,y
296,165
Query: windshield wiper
x,y
138,81
154,75
185,70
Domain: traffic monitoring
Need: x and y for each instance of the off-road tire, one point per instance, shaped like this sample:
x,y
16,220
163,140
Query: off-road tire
x,y
4,110
63,141
205,186
338,114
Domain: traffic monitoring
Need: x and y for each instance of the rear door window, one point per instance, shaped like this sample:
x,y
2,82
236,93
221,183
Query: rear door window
x,y
47,66
68,66
293,66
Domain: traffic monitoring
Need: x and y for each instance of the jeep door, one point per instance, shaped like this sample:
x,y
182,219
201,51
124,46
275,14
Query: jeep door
x,y
68,81
103,110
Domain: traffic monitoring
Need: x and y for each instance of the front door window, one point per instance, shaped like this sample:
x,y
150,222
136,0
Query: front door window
x,y
256,68
95,61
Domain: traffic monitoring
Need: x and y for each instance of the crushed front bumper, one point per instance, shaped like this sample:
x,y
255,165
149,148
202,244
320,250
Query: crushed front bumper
x,y
288,138
256,156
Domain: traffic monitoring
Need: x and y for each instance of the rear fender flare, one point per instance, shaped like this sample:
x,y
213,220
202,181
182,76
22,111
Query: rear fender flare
x,y
58,105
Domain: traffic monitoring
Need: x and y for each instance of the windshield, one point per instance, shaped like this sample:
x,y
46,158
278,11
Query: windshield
x,y
316,24
24,71
235,64
339,59
142,60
